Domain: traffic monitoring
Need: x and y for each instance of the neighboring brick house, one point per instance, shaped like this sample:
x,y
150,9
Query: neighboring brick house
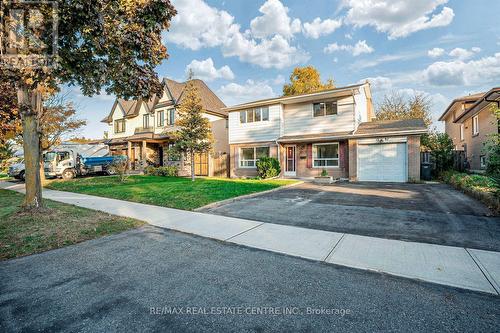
x,y
470,122
140,130
330,130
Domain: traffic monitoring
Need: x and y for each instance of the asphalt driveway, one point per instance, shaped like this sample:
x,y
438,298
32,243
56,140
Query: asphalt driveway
x,y
146,280
432,213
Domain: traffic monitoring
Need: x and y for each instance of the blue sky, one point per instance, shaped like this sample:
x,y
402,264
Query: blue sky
x,y
246,50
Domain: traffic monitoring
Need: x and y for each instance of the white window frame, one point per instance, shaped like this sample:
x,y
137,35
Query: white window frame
x,y
462,132
482,161
254,111
475,125
241,160
170,120
325,115
325,159
160,120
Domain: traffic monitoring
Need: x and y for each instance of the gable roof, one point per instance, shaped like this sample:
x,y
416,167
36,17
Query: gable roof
x,y
210,102
391,126
492,96
347,90
461,99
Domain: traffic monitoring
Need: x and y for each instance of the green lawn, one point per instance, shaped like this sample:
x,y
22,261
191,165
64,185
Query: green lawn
x,y
174,192
57,225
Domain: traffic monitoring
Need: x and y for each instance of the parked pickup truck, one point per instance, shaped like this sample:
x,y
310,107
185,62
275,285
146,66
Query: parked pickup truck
x,y
69,163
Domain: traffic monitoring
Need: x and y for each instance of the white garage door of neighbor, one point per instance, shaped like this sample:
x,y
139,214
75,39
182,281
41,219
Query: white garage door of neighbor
x,y
384,162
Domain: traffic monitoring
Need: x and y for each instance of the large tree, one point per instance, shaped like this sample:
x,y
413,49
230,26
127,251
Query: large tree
x,y
107,44
396,106
306,80
194,135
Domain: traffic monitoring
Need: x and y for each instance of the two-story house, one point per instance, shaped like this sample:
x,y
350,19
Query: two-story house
x,y
141,130
470,122
331,130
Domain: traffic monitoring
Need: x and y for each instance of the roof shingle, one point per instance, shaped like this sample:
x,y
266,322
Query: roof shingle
x,y
387,126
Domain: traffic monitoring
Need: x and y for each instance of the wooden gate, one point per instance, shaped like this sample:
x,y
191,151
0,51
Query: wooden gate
x,y
201,164
220,164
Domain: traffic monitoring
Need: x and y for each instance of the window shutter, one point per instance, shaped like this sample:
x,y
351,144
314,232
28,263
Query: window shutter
x,y
309,155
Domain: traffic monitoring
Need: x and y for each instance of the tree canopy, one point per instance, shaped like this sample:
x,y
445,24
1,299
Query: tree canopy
x,y
100,44
194,134
306,80
395,106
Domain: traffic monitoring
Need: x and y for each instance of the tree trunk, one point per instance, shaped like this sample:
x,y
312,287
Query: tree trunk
x,y
192,166
30,104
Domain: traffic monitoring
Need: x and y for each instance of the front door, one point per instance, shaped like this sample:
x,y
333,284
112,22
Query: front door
x,y
201,164
290,161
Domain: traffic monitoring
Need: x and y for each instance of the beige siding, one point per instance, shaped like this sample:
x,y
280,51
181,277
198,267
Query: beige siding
x,y
298,119
257,131
476,143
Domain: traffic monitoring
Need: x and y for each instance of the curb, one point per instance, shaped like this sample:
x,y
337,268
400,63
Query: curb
x,y
246,196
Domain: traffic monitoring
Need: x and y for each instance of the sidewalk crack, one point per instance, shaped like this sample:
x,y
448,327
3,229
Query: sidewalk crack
x,y
244,231
334,247
482,271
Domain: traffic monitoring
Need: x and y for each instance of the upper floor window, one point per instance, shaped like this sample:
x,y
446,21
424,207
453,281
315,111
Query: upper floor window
x,y
324,109
161,118
462,132
326,155
475,125
249,156
145,121
254,115
171,117
119,125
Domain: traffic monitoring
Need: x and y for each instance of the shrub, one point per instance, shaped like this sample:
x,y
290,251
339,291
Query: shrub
x,y
441,147
120,167
164,171
324,173
268,167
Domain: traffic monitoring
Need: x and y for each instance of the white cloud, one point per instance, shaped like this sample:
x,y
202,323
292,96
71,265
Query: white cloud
x,y
234,93
379,83
359,48
398,18
197,25
456,73
206,70
317,27
348,36
435,52
463,54
275,52
279,80
275,21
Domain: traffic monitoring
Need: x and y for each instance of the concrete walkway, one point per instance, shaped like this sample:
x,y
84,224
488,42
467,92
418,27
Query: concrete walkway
x,y
453,266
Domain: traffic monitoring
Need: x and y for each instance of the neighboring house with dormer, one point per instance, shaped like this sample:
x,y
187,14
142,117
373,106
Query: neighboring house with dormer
x,y
331,130
470,122
140,130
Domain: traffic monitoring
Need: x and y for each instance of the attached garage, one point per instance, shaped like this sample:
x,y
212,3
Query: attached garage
x,y
383,160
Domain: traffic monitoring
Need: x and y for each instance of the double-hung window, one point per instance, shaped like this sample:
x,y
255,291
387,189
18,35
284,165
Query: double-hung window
x,y
462,132
324,109
145,121
249,156
326,155
254,115
119,125
475,125
171,117
161,118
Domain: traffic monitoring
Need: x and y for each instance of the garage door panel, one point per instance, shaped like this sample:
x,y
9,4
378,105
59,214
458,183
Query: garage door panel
x,y
382,162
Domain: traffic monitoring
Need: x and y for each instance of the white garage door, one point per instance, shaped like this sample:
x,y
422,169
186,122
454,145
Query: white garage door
x,y
384,162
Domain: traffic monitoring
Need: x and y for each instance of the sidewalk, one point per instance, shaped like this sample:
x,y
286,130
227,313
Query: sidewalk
x,y
453,266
